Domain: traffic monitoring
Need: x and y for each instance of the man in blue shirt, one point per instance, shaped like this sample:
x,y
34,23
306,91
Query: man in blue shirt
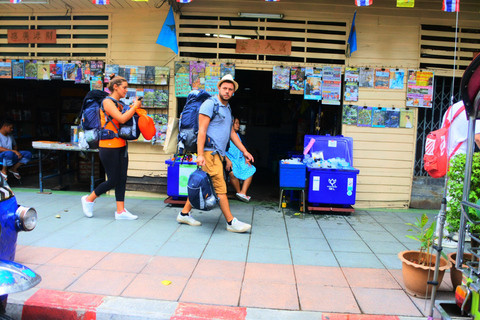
x,y
9,155
220,130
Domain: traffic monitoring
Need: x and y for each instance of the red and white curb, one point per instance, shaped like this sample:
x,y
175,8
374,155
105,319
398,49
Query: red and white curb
x,y
44,304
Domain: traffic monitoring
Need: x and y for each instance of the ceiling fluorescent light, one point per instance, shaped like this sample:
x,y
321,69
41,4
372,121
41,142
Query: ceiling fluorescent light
x,y
260,15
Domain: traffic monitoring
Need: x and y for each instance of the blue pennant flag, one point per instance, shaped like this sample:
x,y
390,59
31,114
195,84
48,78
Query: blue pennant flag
x,y
352,39
168,34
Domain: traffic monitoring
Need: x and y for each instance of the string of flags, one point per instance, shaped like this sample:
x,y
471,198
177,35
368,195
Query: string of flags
x,y
447,5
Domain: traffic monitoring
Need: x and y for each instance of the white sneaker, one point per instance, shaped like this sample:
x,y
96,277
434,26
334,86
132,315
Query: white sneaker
x,y
448,243
125,215
87,207
188,219
238,226
467,237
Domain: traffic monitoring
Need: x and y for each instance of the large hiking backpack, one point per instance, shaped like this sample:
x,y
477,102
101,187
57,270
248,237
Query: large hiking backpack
x,y
90,117
201,193
436,157
188,123
130,129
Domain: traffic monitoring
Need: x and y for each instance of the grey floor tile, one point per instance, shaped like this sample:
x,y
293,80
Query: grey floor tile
x,y
309,233
358,260
390,261
224,237
348,246
314,258
181,250
226,252
269,231
369,226
97,244
372,235
140,247
340,234
258,241
313,244
262,255
384,247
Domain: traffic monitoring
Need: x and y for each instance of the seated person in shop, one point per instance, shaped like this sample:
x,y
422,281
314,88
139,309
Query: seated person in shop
x,y
9,155
238,169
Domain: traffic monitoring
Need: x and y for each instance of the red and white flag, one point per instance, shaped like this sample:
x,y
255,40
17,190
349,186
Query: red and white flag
x,y
451,5
15,1
102,2
363,3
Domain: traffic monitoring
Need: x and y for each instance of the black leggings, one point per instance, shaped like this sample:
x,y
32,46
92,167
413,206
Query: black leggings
x,y
115,162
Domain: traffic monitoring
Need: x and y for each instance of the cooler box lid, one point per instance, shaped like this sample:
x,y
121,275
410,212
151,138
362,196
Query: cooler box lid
x,y
332,146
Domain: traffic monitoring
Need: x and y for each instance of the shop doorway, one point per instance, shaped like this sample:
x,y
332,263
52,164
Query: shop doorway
x,y
275,124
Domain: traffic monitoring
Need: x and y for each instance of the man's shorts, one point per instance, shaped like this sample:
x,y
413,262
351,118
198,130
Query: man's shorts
x,y
214,167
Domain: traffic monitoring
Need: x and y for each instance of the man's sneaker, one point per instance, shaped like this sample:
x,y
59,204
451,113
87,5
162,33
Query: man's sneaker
x,y
448,243
125,215
467,237
238,226
188,219
87,207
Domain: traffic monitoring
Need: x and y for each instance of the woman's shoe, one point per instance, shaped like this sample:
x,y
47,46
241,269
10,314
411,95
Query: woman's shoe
x,y
242,197
15,174
4,176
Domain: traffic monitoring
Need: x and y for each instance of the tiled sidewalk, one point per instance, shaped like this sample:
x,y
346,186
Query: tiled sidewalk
x,y
289,261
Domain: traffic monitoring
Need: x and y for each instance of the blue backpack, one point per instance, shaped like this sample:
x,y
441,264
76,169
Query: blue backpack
x,y
201,193
90,118
188,123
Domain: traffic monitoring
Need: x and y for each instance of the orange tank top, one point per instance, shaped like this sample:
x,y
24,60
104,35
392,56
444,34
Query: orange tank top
x,y
110,143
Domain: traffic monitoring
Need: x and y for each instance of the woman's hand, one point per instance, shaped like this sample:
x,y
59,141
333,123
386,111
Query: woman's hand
x,y
228,166
138,103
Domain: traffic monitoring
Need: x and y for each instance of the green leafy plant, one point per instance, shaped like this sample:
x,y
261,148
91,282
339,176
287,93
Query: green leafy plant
x,y
423,234
455,191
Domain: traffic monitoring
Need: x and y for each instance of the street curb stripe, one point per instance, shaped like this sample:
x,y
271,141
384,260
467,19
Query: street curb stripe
x,y
51,304
333,316
186,311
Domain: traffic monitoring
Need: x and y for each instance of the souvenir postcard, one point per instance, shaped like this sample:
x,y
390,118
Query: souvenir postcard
x,y
351,91
131,74
79,75
378,117
96,68
227,68
6,69
182,85
281,78
162,75
149,74
182,67
86,72
212,76
313,87
122,72
406,118
420,88
366,78
69,71
43,70
382,78
197,74
309,71
56,69
148,98
350,114
364,118
392,118
161,125
141,75
109,70
332,73
397,76
96,83
351,74
18,69
31,69
297,80
161,98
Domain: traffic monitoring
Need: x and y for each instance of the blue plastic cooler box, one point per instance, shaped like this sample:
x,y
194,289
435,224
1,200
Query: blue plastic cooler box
x,y
177,177
332,186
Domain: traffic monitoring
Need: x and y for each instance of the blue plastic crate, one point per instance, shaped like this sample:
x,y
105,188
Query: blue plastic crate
x,y
292,175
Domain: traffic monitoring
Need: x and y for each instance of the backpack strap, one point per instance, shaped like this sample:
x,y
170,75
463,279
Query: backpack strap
x,y
108,117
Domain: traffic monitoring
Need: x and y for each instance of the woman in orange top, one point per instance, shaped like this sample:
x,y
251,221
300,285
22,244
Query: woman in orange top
x,y
113,152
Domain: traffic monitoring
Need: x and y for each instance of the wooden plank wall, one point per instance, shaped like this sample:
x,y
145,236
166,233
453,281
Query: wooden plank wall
x,y
387,37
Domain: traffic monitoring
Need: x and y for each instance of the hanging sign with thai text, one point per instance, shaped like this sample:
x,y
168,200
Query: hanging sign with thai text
x,y
276,47
32,36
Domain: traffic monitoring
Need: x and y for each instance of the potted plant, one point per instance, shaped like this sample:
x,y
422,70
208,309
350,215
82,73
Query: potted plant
x,y
418,266
455,183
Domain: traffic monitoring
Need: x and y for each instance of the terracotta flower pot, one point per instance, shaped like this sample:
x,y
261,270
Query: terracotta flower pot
x,y
455,274
415,275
